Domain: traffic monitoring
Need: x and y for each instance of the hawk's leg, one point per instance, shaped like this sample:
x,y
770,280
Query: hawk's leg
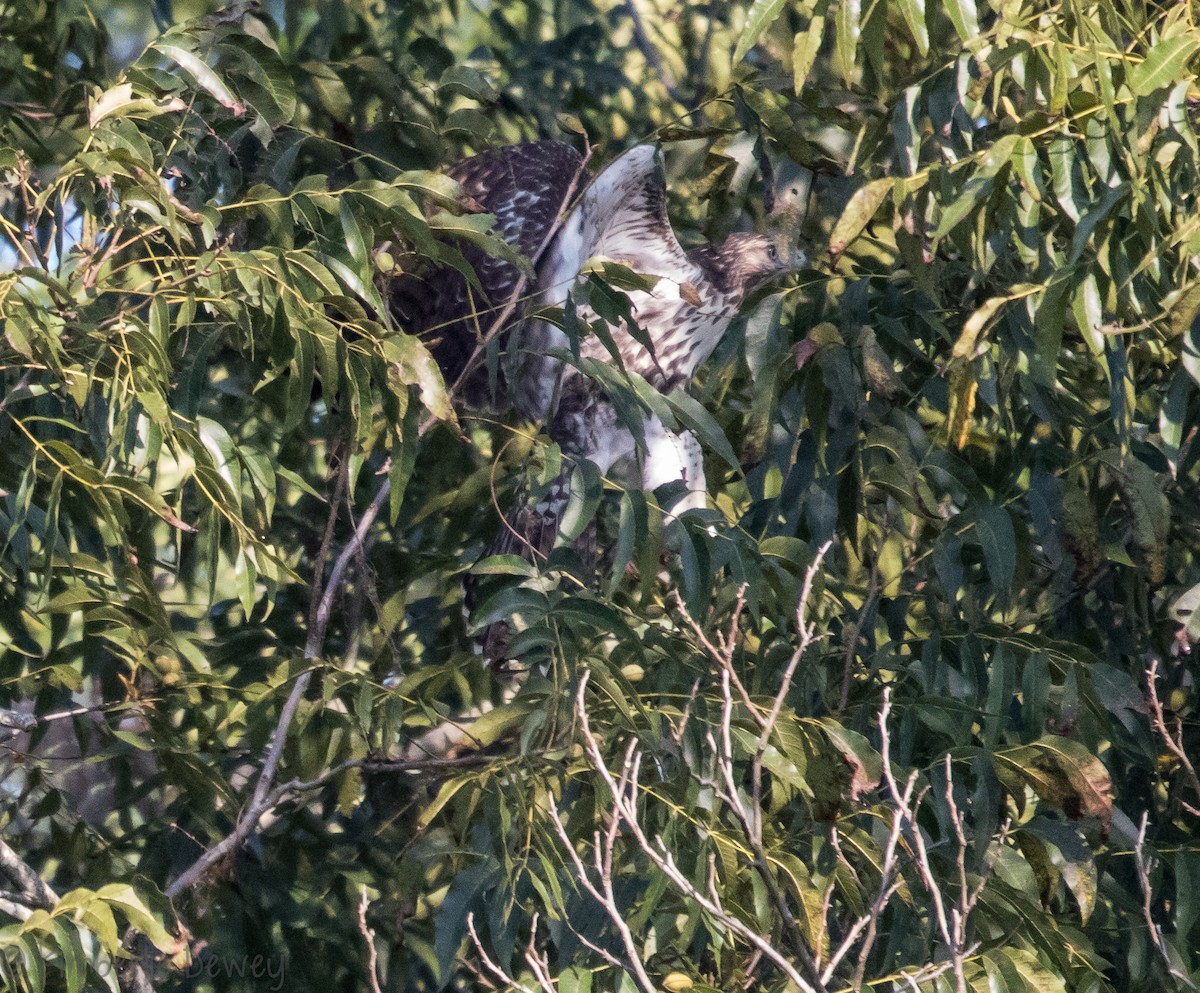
x,y
670,457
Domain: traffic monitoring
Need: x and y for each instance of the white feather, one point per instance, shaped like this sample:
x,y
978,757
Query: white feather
x,y
609,202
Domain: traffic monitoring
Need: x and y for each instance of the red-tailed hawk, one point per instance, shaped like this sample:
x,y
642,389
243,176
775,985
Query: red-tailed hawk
x,y
620,215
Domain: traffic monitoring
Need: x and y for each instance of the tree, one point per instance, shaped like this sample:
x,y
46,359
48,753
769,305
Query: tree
x,y
913,704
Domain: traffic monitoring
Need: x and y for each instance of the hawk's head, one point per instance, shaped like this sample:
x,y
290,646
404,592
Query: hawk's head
x,y
749,260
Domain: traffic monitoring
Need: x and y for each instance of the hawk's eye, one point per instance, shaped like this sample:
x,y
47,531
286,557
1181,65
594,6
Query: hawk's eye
x,y
772,254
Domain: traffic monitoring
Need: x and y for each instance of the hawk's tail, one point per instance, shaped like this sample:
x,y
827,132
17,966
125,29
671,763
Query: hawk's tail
x,y
530,530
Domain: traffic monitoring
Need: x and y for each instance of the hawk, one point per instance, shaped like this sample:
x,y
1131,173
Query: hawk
x,y
687,302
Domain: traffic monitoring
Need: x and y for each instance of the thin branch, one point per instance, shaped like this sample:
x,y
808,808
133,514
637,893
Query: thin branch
x,y
650,53
889,882
856,634
369,937
604,894
751,818
32,887
1145,867
1173,740
951,924
624,797
806,634
722,655
341,481
491,965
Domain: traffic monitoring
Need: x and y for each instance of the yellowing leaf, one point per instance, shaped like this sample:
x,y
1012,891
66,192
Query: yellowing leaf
x,y
963,389
858,212
1064,773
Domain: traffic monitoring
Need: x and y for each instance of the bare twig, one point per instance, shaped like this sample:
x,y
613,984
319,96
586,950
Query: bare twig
x,y
494,967
369,937
602,892
285,791
341,481
1145,865
30,247
722,654
805,634
952,922
889,882
92,265
750,816
1171,738
624,811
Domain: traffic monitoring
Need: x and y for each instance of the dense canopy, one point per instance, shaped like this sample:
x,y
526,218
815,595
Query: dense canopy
x,y
910,705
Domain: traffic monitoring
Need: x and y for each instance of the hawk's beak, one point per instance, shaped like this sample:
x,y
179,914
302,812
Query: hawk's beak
x,y
797,260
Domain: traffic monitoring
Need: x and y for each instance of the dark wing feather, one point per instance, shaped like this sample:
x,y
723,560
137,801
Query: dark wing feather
x,y
525,187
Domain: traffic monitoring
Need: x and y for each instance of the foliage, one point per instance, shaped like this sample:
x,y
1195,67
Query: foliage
x,y
951,749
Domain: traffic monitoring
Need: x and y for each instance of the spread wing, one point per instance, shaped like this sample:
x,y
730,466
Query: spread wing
x,y
639,233
525,187
621,215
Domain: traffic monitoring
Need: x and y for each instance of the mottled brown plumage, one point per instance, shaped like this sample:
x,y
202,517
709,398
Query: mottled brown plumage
x,y
621,215
525,187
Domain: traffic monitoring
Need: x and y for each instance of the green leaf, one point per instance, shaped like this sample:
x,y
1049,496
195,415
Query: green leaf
x,y
963,16
914,17
973,193
806,45
993,529
1093,216
1089,314
633,532
123,896
1034,974
404,457
505,565
848,25
1164,65
70,949
761,16
452,786
118,101
415,366
1151,510
1067,177
858,212
94,913
203,74
587,488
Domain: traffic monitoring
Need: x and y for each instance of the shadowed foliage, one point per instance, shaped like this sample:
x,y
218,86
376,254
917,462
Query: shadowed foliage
x,y
912,702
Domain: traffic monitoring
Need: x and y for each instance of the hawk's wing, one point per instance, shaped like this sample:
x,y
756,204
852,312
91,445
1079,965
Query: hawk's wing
x,y
621,215
525,186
